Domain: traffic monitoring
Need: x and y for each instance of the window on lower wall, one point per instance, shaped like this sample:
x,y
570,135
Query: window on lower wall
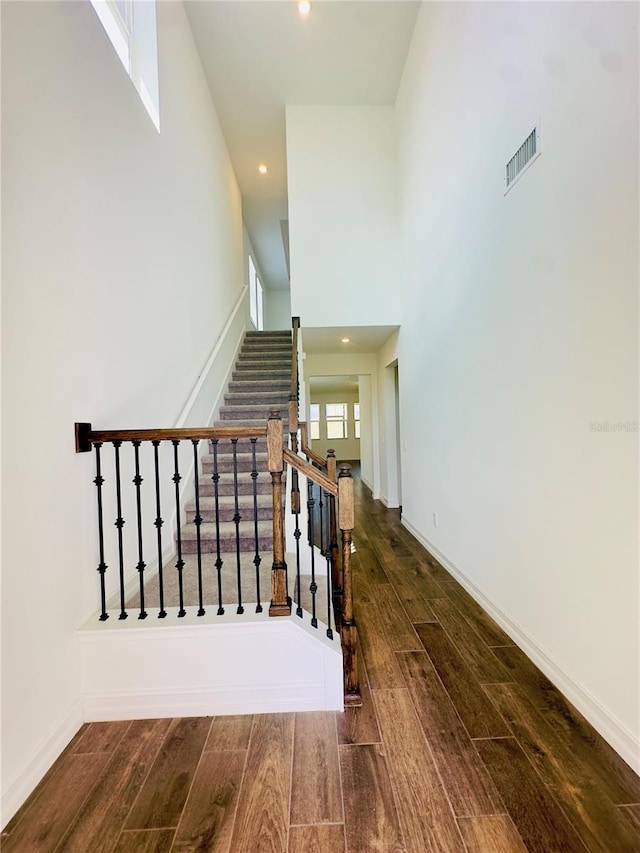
x,y
314,421
336,414
356,419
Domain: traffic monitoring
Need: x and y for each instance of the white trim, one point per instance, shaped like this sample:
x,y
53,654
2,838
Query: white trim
x,y
201,702
612,730
40,760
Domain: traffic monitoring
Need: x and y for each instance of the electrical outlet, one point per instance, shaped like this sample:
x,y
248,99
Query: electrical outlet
x,y
435,519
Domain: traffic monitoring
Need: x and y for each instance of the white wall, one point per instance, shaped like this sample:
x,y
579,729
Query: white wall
x,y
342,215
122,259
277,309
387,357
520,329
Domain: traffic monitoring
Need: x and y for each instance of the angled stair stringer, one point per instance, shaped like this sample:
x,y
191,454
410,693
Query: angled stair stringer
x,y
203,666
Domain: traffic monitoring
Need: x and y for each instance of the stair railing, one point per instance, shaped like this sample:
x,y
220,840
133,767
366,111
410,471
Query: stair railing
x,y
164,451
342,493
164,446
341,512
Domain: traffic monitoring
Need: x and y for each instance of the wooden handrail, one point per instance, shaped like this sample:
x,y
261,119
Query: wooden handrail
x,y
309,471
308,452
86,437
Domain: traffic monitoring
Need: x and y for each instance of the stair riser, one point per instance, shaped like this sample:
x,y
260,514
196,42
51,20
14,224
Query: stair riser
x,y
257,373
228,545
277,361
225,488
270,350
253,413
259,387
257,422
273,334
260,398
225,463
226,513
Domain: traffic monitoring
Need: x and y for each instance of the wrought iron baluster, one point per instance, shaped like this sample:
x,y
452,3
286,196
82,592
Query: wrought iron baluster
x,y
257,559
236,521
102,566
297,533
180,562
216,480
119,523
321,516
329,595
198,521
313,587
137,481
158,525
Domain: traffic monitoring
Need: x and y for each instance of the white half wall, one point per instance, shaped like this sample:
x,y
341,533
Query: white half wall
x,y
122,261
209,665
342,215
519,344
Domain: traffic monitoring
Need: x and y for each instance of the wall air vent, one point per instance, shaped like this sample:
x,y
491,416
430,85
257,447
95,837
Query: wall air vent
x,y
523,158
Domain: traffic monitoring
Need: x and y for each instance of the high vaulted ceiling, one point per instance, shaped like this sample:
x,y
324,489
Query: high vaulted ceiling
x,y
261,55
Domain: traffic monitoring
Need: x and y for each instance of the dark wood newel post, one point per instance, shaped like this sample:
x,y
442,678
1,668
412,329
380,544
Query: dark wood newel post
x,y
280,603
336,574
346,521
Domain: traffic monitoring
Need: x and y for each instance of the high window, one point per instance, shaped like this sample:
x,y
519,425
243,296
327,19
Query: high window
x,y
131,26
255,297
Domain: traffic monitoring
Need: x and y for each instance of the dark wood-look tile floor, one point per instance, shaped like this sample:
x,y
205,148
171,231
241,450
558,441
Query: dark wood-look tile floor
x,y
461,745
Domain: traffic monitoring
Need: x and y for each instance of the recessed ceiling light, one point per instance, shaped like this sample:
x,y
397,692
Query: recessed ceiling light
x,y
262,169
304,7
345,340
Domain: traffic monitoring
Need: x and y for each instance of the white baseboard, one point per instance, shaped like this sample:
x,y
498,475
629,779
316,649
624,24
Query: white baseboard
x,y
156,704
40,760
617,735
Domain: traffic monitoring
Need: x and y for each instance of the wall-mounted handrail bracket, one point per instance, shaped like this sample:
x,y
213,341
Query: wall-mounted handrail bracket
x,y
82,430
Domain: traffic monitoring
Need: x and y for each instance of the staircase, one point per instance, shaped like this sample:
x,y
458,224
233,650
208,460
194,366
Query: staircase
x,y
260,384
201,658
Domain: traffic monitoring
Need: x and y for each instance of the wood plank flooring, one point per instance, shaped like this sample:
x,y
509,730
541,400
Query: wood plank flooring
x,y
461,745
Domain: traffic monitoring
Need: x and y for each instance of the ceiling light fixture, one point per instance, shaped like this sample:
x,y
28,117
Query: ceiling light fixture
x,y
345,340
262,169
304,7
